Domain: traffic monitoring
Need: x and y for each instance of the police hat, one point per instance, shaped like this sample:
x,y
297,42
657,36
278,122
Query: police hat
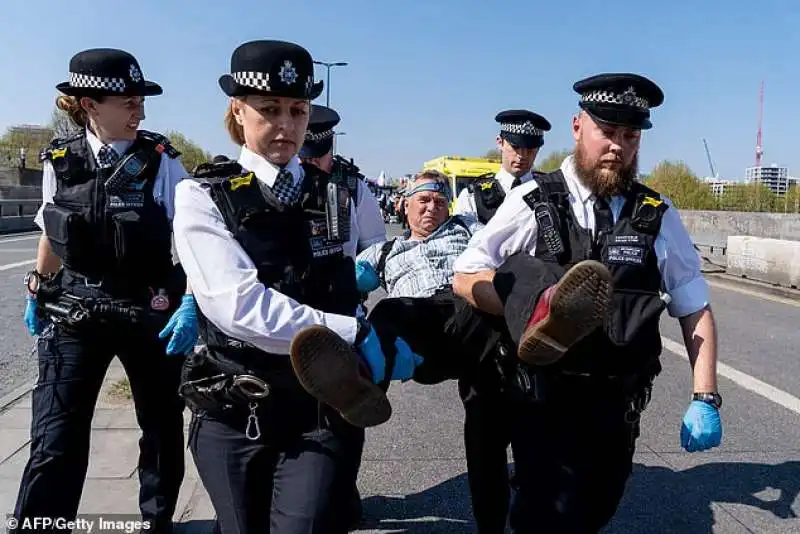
x,y
274,68
106,72
319,135
522,128
619,99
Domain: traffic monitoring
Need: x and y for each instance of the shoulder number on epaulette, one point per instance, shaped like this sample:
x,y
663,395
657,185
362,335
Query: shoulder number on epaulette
x,y
240,181
162,144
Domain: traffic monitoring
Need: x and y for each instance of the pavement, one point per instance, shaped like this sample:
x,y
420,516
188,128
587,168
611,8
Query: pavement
x,y
413,476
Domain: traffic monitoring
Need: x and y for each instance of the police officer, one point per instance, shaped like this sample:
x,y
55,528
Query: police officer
x,y
520,138
268,244
318,146
561,253
105,285
317,150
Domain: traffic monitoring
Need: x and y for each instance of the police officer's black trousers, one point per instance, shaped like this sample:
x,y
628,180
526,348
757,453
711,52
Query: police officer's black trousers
x,y
295,479
573,436
458,341
72,365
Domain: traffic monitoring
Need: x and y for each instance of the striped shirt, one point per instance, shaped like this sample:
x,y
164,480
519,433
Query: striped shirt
x,y
418,268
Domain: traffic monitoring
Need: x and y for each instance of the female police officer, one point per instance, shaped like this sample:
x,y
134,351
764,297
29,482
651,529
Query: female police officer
x,y
268,245
105,279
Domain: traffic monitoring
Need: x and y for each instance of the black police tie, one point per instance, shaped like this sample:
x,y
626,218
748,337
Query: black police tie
x,y
603,218
107,156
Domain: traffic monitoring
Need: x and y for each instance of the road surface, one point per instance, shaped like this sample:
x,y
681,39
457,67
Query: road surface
x,y
413,477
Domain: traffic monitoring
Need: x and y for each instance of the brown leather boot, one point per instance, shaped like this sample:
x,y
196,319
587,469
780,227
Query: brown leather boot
x,y
333,372
566,313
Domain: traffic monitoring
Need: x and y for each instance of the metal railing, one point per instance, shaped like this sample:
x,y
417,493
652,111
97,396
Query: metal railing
x,y
19,207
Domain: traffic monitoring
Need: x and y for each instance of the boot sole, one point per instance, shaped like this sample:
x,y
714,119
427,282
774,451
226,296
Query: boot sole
x,y
580,303
328,369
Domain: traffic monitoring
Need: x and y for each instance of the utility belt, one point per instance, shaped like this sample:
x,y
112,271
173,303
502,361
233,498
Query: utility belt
x,y
227,389
61,306
524,384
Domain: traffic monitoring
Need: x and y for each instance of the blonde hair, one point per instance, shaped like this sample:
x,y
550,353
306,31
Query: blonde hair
x,y
235,130
72,107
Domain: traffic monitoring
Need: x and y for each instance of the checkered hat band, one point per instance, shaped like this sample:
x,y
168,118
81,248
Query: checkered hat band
x,y
96,82
257,80
320,136
523,128
601,96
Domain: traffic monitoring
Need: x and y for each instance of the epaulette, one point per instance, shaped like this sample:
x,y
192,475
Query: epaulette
x,y
640,188
162,143
57,147
209,174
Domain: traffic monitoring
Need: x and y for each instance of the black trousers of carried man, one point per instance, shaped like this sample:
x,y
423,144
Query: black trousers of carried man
x,y
572,437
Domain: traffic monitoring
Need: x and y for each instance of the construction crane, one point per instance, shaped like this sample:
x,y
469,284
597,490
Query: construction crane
x,y
710,163
759,150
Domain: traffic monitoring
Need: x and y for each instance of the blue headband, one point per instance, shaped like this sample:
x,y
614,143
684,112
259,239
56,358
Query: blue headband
x,y
436,187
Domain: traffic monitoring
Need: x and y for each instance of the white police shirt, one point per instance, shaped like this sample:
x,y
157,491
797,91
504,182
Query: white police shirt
x,y
224,279
513,229
465,203
169,174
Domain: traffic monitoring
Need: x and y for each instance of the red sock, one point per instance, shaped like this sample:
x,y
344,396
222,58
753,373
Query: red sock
x,y
542,309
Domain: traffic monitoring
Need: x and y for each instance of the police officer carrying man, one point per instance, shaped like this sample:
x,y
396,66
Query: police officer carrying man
x,y
317,150
581,262
318,146
105,285
520,138
268,244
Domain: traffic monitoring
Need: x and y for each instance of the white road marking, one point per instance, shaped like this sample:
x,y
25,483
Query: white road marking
x,y
27,237
753,293
750,383
8,266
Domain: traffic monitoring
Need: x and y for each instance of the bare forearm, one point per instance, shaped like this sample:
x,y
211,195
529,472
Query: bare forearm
x,y
46,261
478,290
700,337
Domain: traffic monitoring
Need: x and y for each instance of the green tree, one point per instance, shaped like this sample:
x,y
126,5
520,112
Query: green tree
x,y
191,153
32,139
674,179
790,203
553,161
493,154
750,197
62,125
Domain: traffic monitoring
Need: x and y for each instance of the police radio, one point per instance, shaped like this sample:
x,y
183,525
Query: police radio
x,y
547,228
337,210
126,172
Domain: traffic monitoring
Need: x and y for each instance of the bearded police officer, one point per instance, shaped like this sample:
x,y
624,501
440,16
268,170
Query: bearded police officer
x,y
104,286
521,136
582,261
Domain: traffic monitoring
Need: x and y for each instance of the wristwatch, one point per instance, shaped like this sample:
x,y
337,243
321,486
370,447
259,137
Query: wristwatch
x,y
712,398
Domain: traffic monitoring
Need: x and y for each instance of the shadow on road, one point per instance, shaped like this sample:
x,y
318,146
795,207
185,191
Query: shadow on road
x,y
658,500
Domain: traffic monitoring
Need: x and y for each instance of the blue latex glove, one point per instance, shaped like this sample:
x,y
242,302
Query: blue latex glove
x,y
183,327
366,277
701,428
405,360
34,323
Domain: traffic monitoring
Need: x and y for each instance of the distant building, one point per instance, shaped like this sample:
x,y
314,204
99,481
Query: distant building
x,y
718,185
773,176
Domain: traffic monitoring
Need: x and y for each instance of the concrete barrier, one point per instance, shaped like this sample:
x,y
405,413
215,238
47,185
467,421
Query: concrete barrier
x,y
773,261
10,225
714,227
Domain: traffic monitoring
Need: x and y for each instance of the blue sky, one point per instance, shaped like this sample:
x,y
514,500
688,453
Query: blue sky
x,y
426,78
